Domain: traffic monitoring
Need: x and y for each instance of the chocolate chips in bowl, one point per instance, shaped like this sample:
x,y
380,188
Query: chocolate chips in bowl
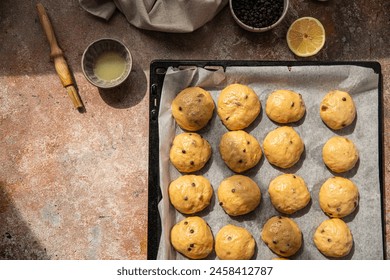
x,y
258,15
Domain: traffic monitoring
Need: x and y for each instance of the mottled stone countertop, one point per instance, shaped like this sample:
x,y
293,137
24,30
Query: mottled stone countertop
x,y
75,185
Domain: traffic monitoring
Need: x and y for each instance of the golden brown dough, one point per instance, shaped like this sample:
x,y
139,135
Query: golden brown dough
x,y
193,108
288,193
238,195
338,197
282,235
239,150
238,106
190,194
283,147
189,152
192,237
333,238
285,106
337,109
234,243
340,154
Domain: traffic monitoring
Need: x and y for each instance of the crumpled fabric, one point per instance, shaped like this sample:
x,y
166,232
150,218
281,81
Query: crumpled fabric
x,y
177,16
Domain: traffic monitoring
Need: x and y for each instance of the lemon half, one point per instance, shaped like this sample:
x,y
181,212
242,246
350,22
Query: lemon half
x,y
306,36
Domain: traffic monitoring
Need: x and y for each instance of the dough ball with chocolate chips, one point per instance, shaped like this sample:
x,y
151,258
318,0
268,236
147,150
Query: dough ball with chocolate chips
x,y
234,243
340,154
238,195
338,197
285,106
239,150
190,194
283,147
288,193
333,238
337,109
192,237
189,152
193,108
238,106
282,235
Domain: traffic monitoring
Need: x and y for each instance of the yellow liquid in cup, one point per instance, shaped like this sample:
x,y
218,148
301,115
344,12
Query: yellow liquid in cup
x,y
109,66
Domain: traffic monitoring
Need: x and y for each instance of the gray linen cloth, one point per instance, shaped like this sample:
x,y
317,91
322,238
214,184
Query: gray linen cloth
x,y
178,16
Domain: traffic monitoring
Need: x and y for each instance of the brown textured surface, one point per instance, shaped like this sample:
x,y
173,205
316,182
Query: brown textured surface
x,y
74,185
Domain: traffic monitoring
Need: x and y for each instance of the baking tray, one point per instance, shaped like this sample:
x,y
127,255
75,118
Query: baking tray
x,y
158,69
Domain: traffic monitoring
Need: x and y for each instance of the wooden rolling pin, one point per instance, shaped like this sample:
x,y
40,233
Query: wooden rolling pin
x,y
57,55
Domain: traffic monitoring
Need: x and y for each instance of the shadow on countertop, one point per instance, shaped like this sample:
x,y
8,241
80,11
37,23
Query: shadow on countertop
x,y
17,241
128,94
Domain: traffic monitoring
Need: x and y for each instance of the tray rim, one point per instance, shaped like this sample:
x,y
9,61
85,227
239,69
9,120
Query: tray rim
x,y
158,69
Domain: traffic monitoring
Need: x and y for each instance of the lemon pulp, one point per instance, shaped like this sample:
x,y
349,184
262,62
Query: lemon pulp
x,y
306,36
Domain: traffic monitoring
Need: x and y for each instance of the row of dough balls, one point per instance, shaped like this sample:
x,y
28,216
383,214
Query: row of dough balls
x,y
240,195
241,151
193,238
238,106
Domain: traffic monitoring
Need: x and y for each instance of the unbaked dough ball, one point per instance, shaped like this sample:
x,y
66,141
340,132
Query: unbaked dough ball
x,y
193,108
283,147
238,195
288,193
238,106
189,152
192,237
282,235
337,109
340,154
239,150
338,197
234,243
190,194
285,106
333,238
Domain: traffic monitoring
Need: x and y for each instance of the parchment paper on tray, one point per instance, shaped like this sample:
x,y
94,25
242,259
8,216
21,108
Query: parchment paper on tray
x,y
313,82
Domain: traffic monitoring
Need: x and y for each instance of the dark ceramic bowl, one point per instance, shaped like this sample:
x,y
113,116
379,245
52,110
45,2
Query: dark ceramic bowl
x,y
97,48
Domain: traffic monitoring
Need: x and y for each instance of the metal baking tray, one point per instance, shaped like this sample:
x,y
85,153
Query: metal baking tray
x,y
158,69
